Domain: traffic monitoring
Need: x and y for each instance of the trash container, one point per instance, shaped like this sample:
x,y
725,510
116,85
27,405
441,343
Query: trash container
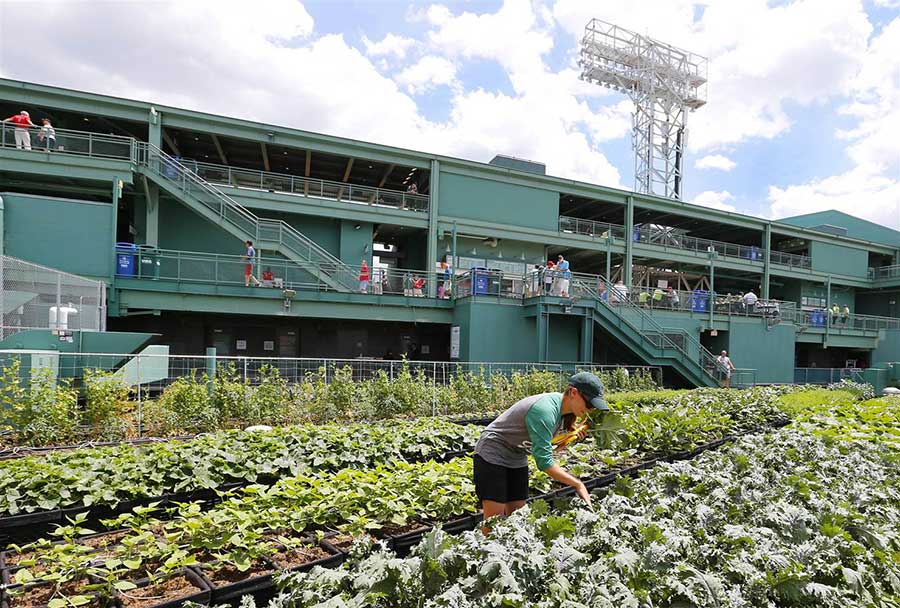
x,y
699,300
125,259
481,281
148,262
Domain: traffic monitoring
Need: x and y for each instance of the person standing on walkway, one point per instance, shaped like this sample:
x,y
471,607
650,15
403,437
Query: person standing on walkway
x,y
845,314
564,276
750,300
250,257
364,277
528,427
835,314
726,367
47,135
548,278
22,122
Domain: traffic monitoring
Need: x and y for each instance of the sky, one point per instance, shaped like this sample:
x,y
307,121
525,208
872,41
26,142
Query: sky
x,y
803,99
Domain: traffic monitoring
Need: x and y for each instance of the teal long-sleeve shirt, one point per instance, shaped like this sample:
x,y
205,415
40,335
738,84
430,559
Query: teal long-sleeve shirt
x,y
526,427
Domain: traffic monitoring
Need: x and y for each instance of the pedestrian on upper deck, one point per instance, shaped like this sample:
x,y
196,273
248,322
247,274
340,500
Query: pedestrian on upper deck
x,y
22,121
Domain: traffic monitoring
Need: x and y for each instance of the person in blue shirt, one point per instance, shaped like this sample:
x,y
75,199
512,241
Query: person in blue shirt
x,y
250,257
563,275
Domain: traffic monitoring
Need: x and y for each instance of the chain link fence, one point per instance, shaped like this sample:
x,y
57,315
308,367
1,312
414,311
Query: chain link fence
x,y
37,297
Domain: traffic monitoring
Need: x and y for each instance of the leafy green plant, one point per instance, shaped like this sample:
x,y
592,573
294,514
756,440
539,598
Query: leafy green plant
x,y
106,403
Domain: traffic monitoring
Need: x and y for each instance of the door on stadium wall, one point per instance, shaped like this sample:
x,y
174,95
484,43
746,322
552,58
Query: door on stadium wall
x,y
288,341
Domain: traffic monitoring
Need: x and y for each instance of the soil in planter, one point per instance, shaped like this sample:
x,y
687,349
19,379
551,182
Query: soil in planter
x,y
343,542
398,530
105,540
293,557
225,575
39,595
151,595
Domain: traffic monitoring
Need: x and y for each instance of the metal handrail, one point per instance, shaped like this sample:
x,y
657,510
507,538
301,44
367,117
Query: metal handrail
x,y
257,229
650,234
239,177
821,317
587,282
885,272
789,259
654,298
577,225
228,269
67,141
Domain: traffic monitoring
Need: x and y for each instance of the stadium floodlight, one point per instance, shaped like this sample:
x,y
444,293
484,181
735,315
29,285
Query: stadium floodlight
x,y
664,82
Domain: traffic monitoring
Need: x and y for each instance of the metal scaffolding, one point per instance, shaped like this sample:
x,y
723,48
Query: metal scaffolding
x,y
664,82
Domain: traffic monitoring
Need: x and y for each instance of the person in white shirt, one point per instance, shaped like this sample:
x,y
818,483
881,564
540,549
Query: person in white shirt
x,y
750,300
725,366
619,292
47,135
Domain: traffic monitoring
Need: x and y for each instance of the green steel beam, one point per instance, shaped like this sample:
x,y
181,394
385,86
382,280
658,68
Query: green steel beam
x,y
629,241
432,236
72,100
290,203
767,261
151,205
63,165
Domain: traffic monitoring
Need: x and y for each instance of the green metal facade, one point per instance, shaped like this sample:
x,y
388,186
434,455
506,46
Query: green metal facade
x,y
66,211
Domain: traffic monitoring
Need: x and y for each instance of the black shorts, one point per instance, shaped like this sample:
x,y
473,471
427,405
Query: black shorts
x,y
499,483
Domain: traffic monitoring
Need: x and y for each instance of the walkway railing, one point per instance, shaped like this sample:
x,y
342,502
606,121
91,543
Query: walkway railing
x,y
885,272
792,260
479,282
237,177
228,270
838,323
699,302
826,375
260,230
648,234
576,225
79,143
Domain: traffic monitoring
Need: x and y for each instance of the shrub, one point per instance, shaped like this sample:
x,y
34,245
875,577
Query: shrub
x,y
861,390
48,413
268,399
106,402
186,406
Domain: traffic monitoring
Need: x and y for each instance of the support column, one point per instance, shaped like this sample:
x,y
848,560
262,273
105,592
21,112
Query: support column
x,y
629,240
154,135
151,208
587,339
828,318
608,255
454,262
2,233
111,249
210,368
431,253
712,286
542,331
767,258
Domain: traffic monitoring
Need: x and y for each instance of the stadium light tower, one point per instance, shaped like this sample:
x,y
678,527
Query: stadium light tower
x,y
664,82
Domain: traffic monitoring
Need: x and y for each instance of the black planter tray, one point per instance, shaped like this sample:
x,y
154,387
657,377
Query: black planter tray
x,y
31,519
462,524
201,596
229,591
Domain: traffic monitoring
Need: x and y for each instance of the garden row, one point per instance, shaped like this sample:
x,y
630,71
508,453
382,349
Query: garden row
x,y
805,516
239,542
42,411
108,476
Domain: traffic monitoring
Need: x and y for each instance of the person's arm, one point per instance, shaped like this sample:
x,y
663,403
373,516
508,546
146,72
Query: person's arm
x,y
540,425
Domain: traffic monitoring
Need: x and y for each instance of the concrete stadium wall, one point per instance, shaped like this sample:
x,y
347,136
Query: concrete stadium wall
x,y
67,234
498,202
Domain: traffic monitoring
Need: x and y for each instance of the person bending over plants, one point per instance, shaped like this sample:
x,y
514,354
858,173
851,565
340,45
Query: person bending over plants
x,y
501,454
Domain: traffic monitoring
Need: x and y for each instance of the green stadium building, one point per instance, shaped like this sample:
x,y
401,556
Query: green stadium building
x,y
157,203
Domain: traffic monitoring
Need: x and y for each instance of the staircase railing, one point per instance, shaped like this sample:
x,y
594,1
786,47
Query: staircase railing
x,y
259,230
615,298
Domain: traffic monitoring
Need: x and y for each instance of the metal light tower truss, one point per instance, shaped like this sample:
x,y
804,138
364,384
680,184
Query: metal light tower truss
x,y
664,82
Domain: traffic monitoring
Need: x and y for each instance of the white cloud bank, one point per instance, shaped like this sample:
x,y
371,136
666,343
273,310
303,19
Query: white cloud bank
x,y
715,161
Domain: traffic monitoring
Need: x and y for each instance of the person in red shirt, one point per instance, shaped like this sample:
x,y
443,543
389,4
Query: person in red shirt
x,y
418,284
22,121
364,277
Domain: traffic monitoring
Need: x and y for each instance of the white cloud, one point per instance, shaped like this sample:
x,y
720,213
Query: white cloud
x,y
715,161
858,192
427,73
390,45
871,189
715,200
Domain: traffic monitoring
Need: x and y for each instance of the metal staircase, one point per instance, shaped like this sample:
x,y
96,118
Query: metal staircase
x,y
216,206
641,333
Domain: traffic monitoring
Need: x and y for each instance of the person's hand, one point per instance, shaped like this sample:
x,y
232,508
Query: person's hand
x,y
582,434
584,495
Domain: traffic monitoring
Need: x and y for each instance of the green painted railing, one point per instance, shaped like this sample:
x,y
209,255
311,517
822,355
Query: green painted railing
x,y
265,233
235,177
78,143
839,323
885,272
151,264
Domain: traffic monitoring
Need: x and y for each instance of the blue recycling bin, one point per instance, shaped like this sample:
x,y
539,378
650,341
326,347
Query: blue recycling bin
x,y
636,235
125,253
700,300
817,318
480,282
